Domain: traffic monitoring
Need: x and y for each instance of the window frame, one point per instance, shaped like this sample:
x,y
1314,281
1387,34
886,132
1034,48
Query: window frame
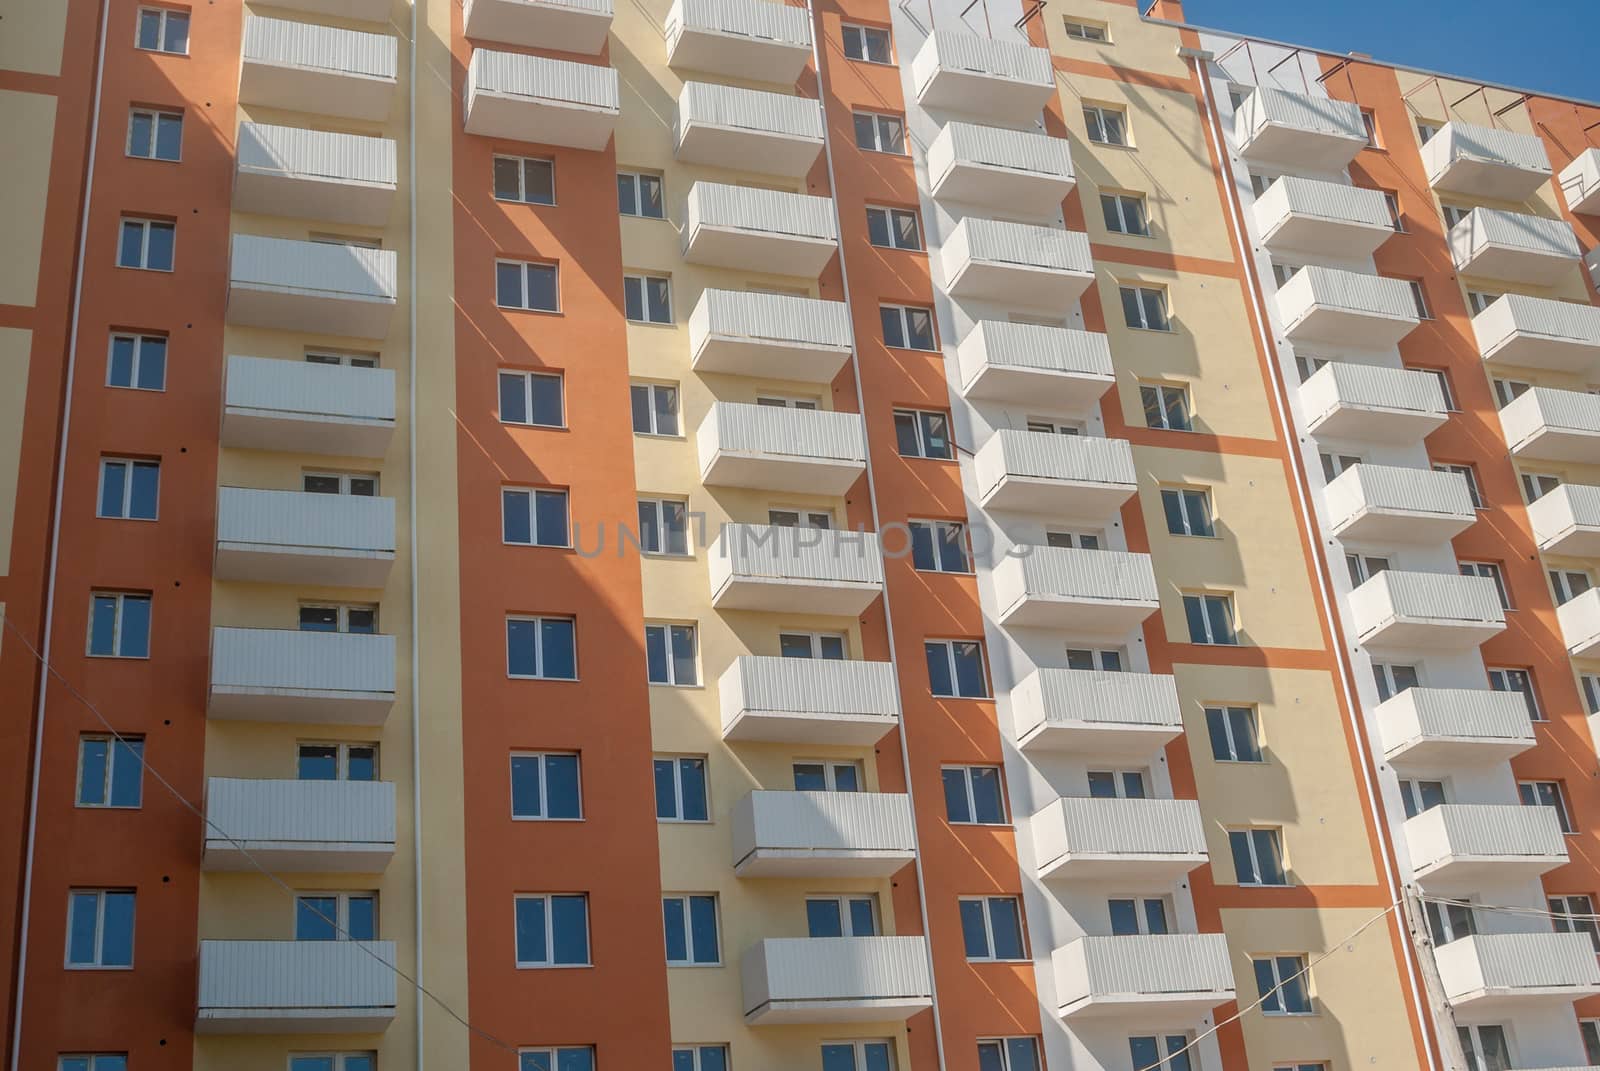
x,y
878,119
539,656
1094,119
1162,392
1002,1049
523,268
862,31
677,762
846,918
685,900
989,901
121,598
527,377
1098,33
669,633
1205,600
550,963
891,216
155,115
1511,676
965,770
696,1052
654,387
1275,835
166,15
1490,571
636,179
1230,732
342,749
645,282
146,225
1283,980
544,814
522,163
1141,294
858,1051
533,494
138,339
660,507
98,963
554,1055
943,534
341,919
815,638
1182,495
1120,202
902,315
1559,802
948,646
1469,472
132,464
919,423
133,744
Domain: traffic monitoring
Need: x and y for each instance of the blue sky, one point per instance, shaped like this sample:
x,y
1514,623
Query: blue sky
x,y
1546,45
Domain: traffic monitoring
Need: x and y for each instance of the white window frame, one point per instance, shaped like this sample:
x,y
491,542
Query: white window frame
x,y
1141,903
972,799
1562,808
1094,121
988,928
155,115
1532,481
132,463
544,786
1084,30
666,629
1411,794
677,403
538,647
108,783
1163,1043
550,964
98,963
1276,834
903,314
1562,586
846,922
1419,299
533,494
830,772
341,1060
166,15
341,919
90,1061
922,435
815,639
1119,782
862,32
677,817
645,282
1385,681
146,225
804,517
346,482
527,379
1473,1043
1336,464
342,758
1426,129
688,927
1363,567
1183,495
1574,913
343,610
523,267
858,1060
522,163
1518,680
695,1051
1143,294
1590,684
1121,203
1507,390
940,531
1002,1046
1052,426
1205,598
659,507
1280,980
1163,390
1480,300
1468,473
1075,538
1252,716
878,119
950,661
1489,571
138,339
342,358
121,598
636,179
1397,218
891,216
1097,655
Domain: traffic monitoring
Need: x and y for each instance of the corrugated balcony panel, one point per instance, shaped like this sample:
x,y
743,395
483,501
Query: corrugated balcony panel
x,y
835,980
747,129
1553,425
1033,365
755,39
1563,336
807,701
1322,218
1298,131
1429,611
822,834
295,987
1508,971
1164,977
1580,183
1446,728
1481,161
770,336
1345,308
1019,264
1392,504
303,67
562,25
1136,843
315,174
1566,521
794,570
1100,592
366,10
294,537
778,449
1580,624
1514,246
752,229
299,827
971,75
1000,169
317,287
1372,403
334,678
1095,712
1461,845
538,99
301,407
1061,475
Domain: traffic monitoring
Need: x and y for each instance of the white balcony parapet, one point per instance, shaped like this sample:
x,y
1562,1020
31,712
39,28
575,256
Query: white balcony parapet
x,y
1138,843
296,987
1444,728
822,834
1034,365
807,701
1326,218
1062,475
1507,970
747,129
563,25
1426,610
316,174
1298,130
295,537
299,827
1099,592
1020,264
835,980
261,674
1515,246
1566,521
1553,425
1464,844
1372,403
303,67
794,570
1389,503
779,449
1580,183
1346,308
759,230
1175,977
1563,336
323,288
301,407
366,10
962,72
535,98
1481,161
755,39
1095,712
1000,169
1580,624
771,336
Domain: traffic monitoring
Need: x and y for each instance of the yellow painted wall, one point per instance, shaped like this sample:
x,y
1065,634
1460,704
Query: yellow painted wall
x,y
15,345
1133,42
25,176
33,37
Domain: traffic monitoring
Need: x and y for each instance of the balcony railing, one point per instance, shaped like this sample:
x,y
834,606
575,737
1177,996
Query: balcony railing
x,y
1391,504
795,570
321,288
778,449
1000,170
1566,521
1166,977
1480,161
1504,971
301,407
299,827
1372,403
293,537
1426,610
1323,218
1099,592
1018,264
1580,624
1095,712
317,174
1553,425
747,129
971,75
1297,130
563,25
535,98
1137,843
770,336
1061,475
1441,728
261,674
296,987
1514,246
835,980
1580,183
755,39
1563,336
1345,308
1034,365
1461,845
822,835
808,701
303,67
759,230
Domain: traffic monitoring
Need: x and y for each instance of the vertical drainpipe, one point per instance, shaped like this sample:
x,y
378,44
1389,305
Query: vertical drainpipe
x,y
411,464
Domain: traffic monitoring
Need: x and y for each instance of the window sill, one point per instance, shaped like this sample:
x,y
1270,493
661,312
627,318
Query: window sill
x,y
547,680
554,966
679,687
523,308
650,323
519,201
978,698
658,435
911,349
693,965
537,818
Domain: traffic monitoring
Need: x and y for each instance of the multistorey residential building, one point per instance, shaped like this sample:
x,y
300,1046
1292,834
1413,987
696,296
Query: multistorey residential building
x,y
560,535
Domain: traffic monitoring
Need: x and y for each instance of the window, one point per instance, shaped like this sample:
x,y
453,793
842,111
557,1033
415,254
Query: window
x,y
1507,391
778,401
1054,427
1282,273
820,520
1124,214
1418,796
670,655
839,776
1106,125
163,30
1083,31
1370,121
972,795
119,625
154,135
691,928
541,648
526,285
955,668
1008,1054
700,1058
1107,660
1363,567
1575,914
1188,511
1168,1052
1394,679
336,917
347,360
1568,584
546,787
317,617
138,362
1260,183
1282,981
991,928
858,1056
1144,308
337,762
333,1061
1502,679
1076,540
1547,794
1478,300
100,1061
1491,572
1468,473
146,244
339,483
1535,485
99,928
877,132
128,489
842,916
893,228
681,788
110,771
663,526
647,299
527,179
1165,406
907,328
1397,218
532,398
1419,300
552,930
923,433
1234,734
1426,129
1335,465
534,517
639,194
571,1058
1449,920
1257,856
1142,915
1484,1047
1445,390
1210,619
1453,214
867,43
1116,784
1591,692
939,546
655,408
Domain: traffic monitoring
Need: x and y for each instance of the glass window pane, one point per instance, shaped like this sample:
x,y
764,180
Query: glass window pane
x,y
878,226
823,918
569,919
113,487
891,134
531,943
633,297
1172,506
102,625
1244,870
650,202
177,33
144,491
919,325
1131,314
676,517
564,796
627,196
655,654
893,332
556,648
92,768
1195,614
683,655
713,1058
990,1057
513,403
1124,917
318,762
1144,1052
659,294
866,131
839,1057
158,247
507,172
1007,927
703,924
129,252
940,679
526,776
640,398
547,408
956,808
116,937
649,528
666,410
1155,309
1024,1053
127,772
876,1055
363,923
149,29
520,653
683,1060
862,922
1265,981
141,127
1220,619
1217,730
316,918
515,520
542,287
935,434
534,1061
508,285
1155,916
120,373
82,924
974,937
846,778
953,549
169,137
666,789
809,777
135,639
969,668
905,435
1198,514
692,778
923,554
551,511
539,181
1267,856
1177,406
986,795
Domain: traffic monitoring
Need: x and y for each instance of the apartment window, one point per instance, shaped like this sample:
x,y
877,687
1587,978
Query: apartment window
x,y
337,617
336,917
363,485
1124,214
1282,981
1568,584
1589,1030
1257,856
655,408
1370,121
1478,300
346,360
146,244
1420,795
527,179
1449,920
1491,572
923,433
867,43
780,401
1210,619
1397,218
570,1058
973,796
1009,1054
1443,380
546,786
336,762
333,1061
154,135
955,668
1144,308
98,1061
840,776
639,194
647,299
1574,914
877,132
128,488
1591,692
1535,485
1165,1052
99,928
691,930
1503,679
110,771
681,788
1426,129
541,648
858,1056
1484,1047
532,398
939,546
1130,916
163,30
1363,567
1105,660
1335,465
1085,31
1116,784
842,916
907,328
1507,391
670,655
1188,511
1468,473
119,625
1547,794
1453,214
1393,679
138,362
1260,183
1282,273
520,284
1419,300
1054,427
699,1058
1075,540
1235,736
991,928
1106,125
534,517
664,526
552,930
820,520
893,228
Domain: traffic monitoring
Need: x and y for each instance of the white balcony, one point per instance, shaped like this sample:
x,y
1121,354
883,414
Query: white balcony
x,y
562,25
835,980
329,678
366,10
1000,170
295,987
1298,131
1553,425
794,570
1372,403
769,336
822,835
1447,728
971,75
538,99
755,39
301,407
1506,972
747,129
763,447
1580,624
315,174
1563,336
303,67
1566,521
1139,844
1426,611
1322,218
1060,475
1462,845
1092,712
1391,504
1514,246
1047,368
321,288
1345,308
1100,592
1484,162
1174,978
299,827
751,229
294,537
808,701
1580,183
1017,264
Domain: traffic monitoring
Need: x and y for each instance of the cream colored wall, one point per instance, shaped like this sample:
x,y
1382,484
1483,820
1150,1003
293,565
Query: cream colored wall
x,y
33,37
25,176
1134,43
15,346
